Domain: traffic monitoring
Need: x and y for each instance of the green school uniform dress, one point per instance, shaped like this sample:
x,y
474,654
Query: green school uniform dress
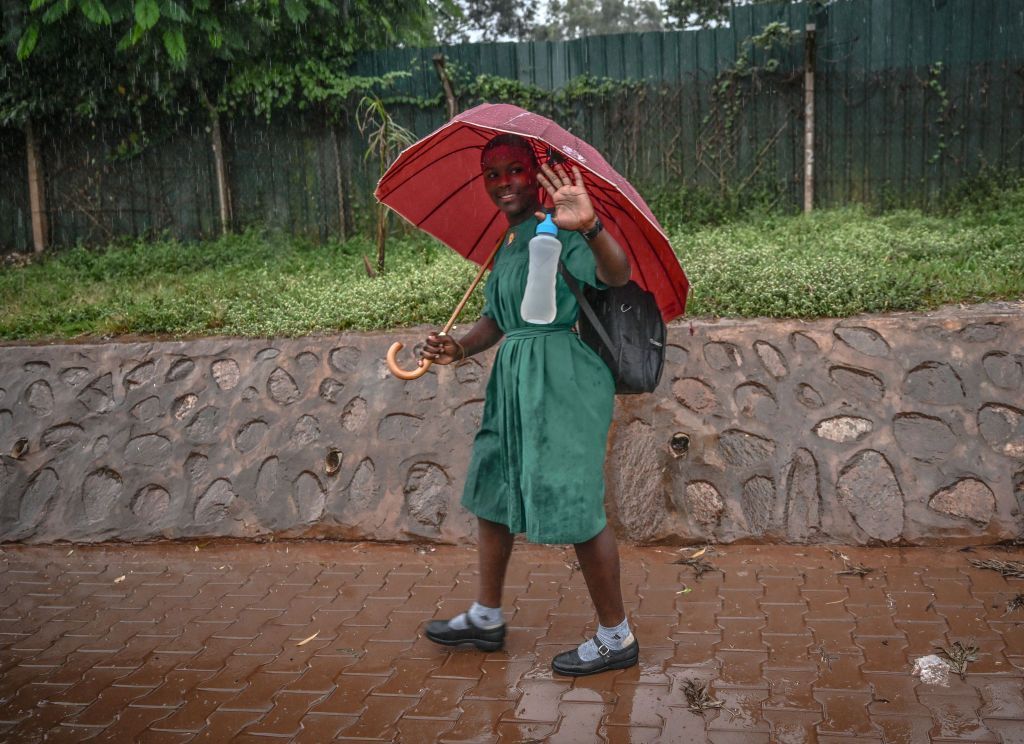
x,y
538,459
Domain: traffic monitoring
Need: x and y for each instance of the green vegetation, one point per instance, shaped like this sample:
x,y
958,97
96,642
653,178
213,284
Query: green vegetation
x,y
847,261
253,284
149,64
834,263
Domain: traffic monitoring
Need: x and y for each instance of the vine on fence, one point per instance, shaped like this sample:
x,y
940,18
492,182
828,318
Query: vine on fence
x,y
578,106
718,143
561,104
943,121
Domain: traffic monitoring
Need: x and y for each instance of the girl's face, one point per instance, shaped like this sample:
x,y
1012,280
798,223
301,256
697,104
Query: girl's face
x,y
510,178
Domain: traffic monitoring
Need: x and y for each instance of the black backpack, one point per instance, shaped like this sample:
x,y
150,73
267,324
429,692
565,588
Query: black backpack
x,y
624,326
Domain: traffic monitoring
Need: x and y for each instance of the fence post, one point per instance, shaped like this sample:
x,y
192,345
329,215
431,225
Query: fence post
x,y
809,118
339,179
36,190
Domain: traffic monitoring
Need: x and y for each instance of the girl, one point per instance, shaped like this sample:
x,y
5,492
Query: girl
x,y
538,459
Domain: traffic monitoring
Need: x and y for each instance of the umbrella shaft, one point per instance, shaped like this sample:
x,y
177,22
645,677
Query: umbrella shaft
x,y
465,297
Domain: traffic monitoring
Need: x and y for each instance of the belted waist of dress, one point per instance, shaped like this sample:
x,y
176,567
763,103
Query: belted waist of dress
x,y
515,334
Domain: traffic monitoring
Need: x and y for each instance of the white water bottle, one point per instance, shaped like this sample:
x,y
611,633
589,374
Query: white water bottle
x,y
539,299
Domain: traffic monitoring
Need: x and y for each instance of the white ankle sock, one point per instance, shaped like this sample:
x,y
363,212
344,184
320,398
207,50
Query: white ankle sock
x,y
614,638
482,617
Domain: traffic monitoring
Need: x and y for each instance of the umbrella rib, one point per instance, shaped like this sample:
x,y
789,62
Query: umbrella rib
x,y
611,202
606,207
444,201
424,152
480,237
655,254
392,188
599,183
435,141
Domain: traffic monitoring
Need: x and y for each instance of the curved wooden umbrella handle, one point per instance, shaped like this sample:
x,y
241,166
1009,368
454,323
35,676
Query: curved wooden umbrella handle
x,y
400,373
396,347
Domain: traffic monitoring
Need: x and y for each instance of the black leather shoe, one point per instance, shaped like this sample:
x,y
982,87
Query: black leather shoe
x,y
485,639
569,663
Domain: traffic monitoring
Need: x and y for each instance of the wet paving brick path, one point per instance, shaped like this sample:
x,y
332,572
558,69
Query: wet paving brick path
x,y
317,642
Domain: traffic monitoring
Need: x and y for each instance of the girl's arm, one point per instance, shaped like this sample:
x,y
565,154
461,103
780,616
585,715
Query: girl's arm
x,y
612,263
574,211
484,334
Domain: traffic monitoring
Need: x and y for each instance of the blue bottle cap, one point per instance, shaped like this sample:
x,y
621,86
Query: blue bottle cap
x,y
547,227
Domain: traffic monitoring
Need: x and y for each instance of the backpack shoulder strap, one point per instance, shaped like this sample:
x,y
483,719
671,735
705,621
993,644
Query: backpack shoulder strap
x,y
585,306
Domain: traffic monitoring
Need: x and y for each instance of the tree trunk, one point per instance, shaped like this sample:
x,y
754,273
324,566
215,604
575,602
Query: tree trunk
x,y
343,226
36,190
223,190
446,83
219,164
382,235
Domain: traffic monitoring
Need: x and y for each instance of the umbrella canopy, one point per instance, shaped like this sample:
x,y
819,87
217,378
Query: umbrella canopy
x,y
436,184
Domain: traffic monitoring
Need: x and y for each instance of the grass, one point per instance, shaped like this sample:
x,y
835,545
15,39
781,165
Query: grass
x,y
833,263
854,569
1014,604
254,284
843,262
698,564
1007,569
959,656
698,699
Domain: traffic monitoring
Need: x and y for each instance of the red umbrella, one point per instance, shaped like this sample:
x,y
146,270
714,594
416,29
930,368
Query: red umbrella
x,y
435,185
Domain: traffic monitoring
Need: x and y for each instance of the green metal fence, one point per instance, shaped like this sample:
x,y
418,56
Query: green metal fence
x,y
912,96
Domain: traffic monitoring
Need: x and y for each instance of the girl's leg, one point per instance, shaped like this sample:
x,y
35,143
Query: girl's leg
x,y
483,624
599,561
614,647
495,548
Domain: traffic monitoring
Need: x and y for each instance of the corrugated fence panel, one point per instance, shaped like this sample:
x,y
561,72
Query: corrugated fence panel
x,y
15,212
1013,143
94,195
283,174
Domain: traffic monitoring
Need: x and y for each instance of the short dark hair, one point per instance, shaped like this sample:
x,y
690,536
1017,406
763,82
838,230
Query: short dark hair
x,y
514,141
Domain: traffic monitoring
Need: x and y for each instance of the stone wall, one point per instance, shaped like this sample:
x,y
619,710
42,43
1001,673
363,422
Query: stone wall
x,y
891,429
